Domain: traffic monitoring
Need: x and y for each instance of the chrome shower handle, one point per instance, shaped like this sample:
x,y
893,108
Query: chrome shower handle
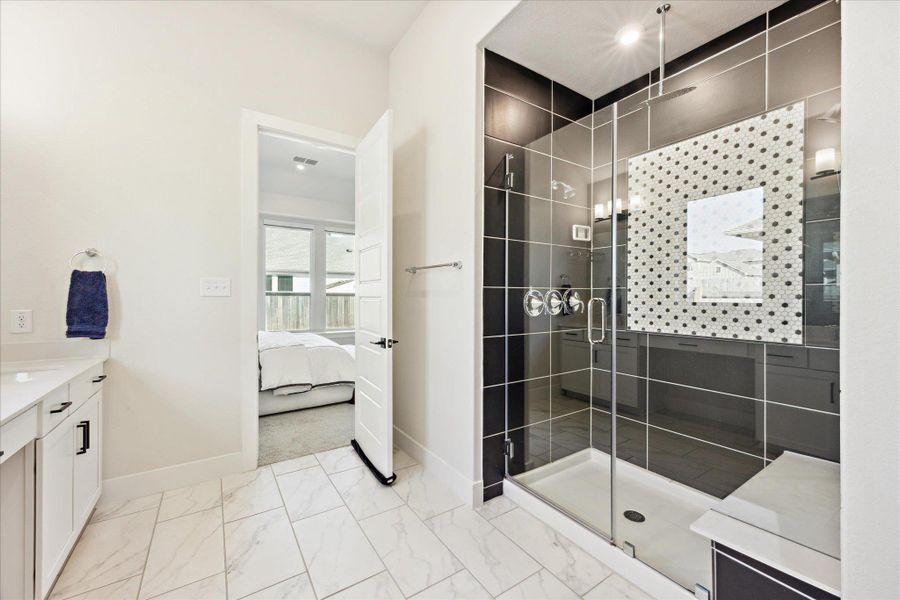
x,y
590,311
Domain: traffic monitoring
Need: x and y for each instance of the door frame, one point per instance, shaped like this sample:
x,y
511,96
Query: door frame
x,y
247,288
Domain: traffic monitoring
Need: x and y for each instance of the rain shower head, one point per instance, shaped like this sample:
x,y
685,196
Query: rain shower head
x,y
665,96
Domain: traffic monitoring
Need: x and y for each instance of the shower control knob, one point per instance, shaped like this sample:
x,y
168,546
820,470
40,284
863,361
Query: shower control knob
x,y
533,303
554,302
573,301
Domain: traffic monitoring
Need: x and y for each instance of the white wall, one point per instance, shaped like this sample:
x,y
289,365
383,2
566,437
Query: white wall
x,y
314,209
121,130
870,311
434,92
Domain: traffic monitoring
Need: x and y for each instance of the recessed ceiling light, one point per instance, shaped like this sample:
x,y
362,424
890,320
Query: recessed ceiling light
x,y
629,34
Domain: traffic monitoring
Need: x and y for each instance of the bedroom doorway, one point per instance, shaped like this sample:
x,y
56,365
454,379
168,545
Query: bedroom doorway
x,y
306,289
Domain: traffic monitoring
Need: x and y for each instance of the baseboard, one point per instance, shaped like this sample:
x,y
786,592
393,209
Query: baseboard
x,y
168,478
458,483
651,581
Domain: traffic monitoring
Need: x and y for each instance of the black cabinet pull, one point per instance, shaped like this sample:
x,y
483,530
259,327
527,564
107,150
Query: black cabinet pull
x,y
98,379
85,436
61,408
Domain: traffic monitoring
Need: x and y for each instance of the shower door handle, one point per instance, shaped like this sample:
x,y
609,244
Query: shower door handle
x,y
590,312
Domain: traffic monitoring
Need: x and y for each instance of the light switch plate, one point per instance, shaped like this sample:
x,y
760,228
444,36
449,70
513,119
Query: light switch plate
x,y
215,287
20,321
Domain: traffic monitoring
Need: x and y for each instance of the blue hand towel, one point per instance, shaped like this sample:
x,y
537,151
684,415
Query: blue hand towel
x,y
88,310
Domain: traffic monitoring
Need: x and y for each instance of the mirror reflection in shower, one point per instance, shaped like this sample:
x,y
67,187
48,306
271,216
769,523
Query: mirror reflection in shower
x,y
725,247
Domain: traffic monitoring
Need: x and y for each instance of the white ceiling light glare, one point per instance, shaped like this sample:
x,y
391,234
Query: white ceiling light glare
x,y
629,34
301,163
300,167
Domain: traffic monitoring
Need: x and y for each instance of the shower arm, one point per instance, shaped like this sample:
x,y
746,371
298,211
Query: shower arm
x,y
661,11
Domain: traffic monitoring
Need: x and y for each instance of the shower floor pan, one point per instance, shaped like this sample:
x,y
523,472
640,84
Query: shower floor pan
x,y
580,484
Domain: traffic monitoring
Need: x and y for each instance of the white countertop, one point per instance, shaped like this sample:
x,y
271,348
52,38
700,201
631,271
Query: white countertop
x,y
48,375
786,516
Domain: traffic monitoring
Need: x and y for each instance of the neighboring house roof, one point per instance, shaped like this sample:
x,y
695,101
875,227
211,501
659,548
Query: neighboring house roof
x,y
751,230
745,262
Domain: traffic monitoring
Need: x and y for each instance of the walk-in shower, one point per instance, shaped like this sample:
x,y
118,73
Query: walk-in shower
x,y
661,268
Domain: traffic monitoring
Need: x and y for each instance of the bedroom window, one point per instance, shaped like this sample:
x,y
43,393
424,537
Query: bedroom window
x,y
287,278
340,280
310,282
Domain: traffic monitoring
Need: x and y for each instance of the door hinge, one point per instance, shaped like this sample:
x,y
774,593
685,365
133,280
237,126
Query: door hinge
x,y
509,449
628,548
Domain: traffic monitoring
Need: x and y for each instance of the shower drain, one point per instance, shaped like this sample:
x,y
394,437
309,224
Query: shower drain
x,y
633,515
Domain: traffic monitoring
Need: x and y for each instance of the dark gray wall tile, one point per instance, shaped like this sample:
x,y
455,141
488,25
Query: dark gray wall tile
x,y
803,431
807,377
494,265
730,421
702,466
529,218
569,103
632,135
492,459
570,393
571,141
529,402
631,437
631,394
571,183
514,121
821,250
529,356
732,57
519,321
528,264
571,266
531,169
723,366
494,212
603,145
805,67
570,355
504,74
822,315
570,434
493,355
564,217
493,410
532,448
723,99
492,301
825,14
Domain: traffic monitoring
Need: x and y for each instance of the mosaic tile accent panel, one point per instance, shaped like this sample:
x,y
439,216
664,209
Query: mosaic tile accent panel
x,y
764,152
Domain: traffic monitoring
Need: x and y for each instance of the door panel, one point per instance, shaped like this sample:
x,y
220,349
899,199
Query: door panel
x,y
55,453
86,485
374,213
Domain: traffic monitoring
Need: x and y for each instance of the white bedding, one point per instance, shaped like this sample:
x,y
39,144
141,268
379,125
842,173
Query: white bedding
x,y
294,363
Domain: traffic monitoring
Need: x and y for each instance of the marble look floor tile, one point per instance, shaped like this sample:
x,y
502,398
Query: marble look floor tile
x,y
460,585
490,556
127,589
339,459
184,550
308,492
379,587
496,507
190,499
108,551
210,588
616,587
402,460
363,494
336,551
295,588
415,557
540,586
110,510
294,464
249,493
568,562
425,494
260,551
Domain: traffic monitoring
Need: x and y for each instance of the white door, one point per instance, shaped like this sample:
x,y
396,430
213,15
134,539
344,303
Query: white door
x,y
374,202
55,525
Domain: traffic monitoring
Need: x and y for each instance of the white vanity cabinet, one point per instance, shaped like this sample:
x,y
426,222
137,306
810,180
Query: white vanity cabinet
x,y
68,482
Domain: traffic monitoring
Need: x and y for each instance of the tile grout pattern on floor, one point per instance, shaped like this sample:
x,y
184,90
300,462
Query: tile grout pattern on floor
x,y
321,526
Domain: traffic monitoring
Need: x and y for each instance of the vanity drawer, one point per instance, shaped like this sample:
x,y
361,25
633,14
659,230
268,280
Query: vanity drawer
x,y
16,433
86,385
54,409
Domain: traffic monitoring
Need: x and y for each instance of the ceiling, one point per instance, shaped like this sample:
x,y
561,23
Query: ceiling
x,y
378,24
573,42
330,180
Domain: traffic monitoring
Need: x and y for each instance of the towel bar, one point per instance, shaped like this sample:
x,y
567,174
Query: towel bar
x,y
456,264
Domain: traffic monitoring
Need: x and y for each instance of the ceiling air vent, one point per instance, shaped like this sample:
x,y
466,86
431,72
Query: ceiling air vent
x,y
305,161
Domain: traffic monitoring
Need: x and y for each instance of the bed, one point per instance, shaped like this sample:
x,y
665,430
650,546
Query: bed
x,y
303,370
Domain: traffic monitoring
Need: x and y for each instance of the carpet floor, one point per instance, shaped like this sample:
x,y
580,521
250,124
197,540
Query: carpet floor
x,y
301,432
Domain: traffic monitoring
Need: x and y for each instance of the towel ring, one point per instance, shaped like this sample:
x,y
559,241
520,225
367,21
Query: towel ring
x,y
89,252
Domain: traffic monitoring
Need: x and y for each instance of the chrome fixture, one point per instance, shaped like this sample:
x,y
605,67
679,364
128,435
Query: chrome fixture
x,y
665,96
533,303
509,177
573,302
590,319
89,252
456,264
553,303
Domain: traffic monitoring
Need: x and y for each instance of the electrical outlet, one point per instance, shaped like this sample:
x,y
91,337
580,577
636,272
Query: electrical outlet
x,y
215,286
20,321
